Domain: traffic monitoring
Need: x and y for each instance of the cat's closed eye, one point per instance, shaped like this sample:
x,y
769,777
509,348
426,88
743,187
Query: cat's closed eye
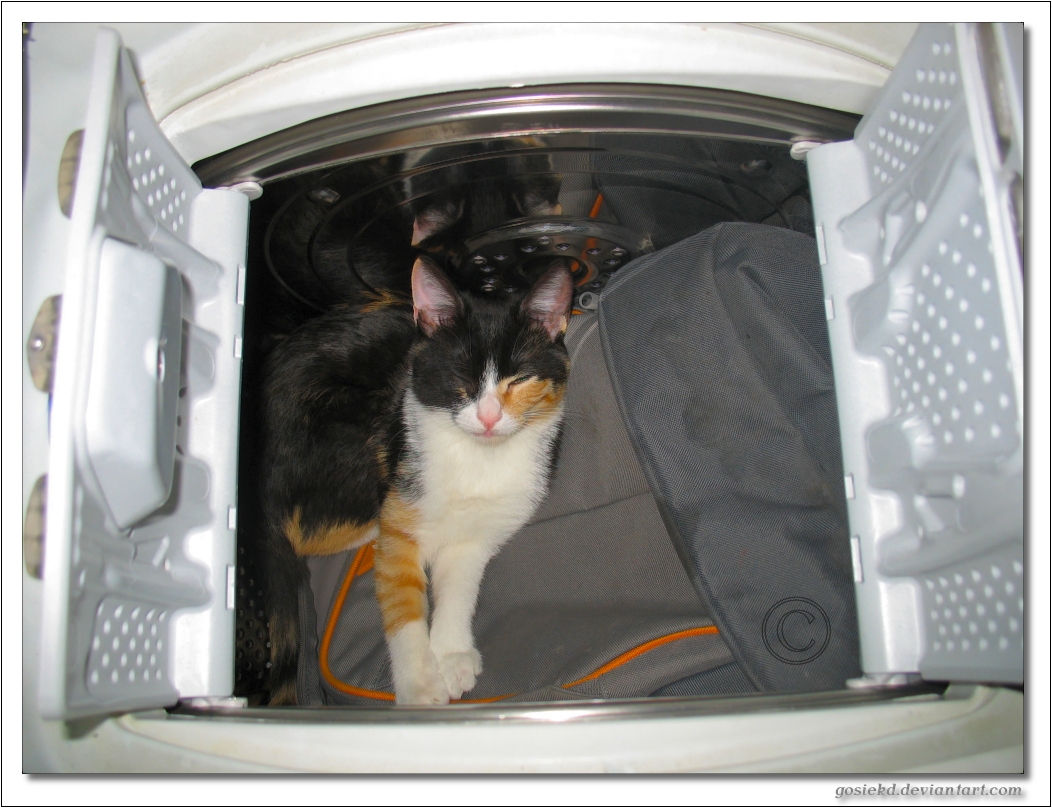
x,y
465,383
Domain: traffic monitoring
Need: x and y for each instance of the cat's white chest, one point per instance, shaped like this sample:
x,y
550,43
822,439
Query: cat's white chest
x,y
471,491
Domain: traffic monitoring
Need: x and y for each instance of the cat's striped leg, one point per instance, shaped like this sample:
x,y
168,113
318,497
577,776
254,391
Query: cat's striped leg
x,y
401,591
456,575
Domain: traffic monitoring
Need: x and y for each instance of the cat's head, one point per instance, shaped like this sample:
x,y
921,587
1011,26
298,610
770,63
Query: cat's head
x,y
495,363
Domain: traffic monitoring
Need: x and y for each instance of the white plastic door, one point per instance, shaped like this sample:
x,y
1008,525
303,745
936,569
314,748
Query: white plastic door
x,y
916,220
139,554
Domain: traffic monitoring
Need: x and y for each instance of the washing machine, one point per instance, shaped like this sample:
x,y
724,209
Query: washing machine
x,y
173,171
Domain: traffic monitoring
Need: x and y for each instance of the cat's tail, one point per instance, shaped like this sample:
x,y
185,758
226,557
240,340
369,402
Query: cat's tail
x,y
285,574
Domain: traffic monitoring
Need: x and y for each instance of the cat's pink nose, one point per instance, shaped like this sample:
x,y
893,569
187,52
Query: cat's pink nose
x,y
489,411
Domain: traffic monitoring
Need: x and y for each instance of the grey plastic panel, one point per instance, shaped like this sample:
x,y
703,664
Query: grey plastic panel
x,y
131,417
143,434
921,266
128,649
974,611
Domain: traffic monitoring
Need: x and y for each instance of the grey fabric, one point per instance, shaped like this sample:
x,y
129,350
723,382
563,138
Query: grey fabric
x,y
673,187
725,680
308,682
718,350
593,576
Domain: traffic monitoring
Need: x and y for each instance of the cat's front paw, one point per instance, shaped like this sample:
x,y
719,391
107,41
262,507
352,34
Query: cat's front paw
x,y
426,687
460,670
417,679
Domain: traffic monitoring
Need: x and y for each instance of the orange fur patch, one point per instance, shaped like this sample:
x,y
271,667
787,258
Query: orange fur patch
x,y
531,398
382,299
379,451
401,584
328,539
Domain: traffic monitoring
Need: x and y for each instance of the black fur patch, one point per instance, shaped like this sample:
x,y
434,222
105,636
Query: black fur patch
x,y
326,392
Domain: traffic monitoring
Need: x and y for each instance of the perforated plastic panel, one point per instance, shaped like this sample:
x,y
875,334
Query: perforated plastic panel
x,y
128,650
159,178
921,265
143,430
915,104
974,611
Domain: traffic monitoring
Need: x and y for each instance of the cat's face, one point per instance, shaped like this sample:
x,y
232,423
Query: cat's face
x,y
495,365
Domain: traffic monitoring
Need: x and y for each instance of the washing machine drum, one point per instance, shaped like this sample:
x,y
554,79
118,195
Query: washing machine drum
x,y
695,538
494,213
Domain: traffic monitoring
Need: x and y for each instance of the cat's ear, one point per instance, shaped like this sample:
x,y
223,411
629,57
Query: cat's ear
x,y
435,218
435,302
536,184
548,303
535,202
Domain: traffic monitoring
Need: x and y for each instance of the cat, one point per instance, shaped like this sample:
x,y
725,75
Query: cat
x,y
430,428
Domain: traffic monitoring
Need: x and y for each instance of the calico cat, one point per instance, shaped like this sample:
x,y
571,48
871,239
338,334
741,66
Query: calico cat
x,y
430,429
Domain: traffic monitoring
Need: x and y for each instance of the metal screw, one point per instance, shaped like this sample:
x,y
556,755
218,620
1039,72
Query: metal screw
x,y
562,246
501,257
611,262
528,248
479,259
595,250
619,252
486,269
544,240
489,284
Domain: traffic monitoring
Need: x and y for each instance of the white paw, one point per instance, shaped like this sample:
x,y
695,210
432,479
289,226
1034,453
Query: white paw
x,y
423,690
459,669
425,685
